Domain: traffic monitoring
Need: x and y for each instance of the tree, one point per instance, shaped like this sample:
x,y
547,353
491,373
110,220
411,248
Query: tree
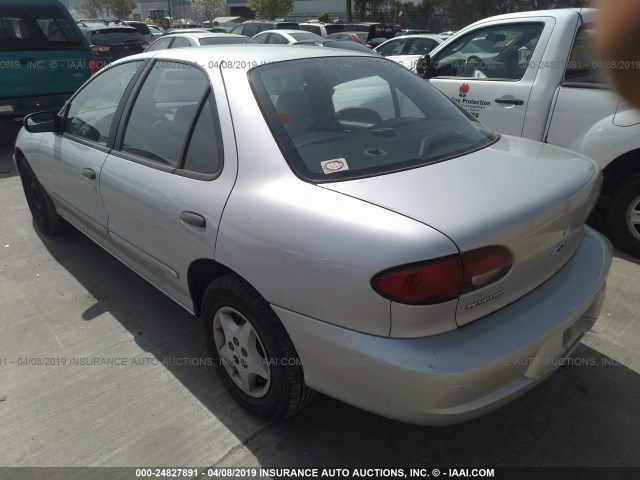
x,y
121,8
271,9
209,9
325,17
107,8
92,9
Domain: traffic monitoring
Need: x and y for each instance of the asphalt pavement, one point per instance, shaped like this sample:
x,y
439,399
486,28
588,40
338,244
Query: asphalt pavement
x,y
98,368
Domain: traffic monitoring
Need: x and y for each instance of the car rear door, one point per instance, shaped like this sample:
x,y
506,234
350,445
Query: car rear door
x,y
165,183
491,69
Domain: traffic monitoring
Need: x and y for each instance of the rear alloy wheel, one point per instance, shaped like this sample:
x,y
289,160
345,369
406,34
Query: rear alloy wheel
x,y
40,204
623,216
252,352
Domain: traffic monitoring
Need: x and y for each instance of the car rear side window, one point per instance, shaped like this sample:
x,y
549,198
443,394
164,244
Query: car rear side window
x,y
352,117
163,112
583,65
91,112
204,153
44,28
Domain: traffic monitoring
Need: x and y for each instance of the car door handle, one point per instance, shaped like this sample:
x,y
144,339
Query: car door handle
x,y
510,101
193,219
89,173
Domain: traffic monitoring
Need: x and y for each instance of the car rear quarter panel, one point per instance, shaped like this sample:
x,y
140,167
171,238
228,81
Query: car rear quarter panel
x,y
305,248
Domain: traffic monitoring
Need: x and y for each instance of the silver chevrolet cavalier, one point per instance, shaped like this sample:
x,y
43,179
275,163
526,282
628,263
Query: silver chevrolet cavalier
x,y
337,224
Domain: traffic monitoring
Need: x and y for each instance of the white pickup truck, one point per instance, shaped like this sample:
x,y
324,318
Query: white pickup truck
x,y
535,75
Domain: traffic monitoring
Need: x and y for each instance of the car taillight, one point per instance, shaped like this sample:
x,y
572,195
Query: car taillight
x,y
95,48
93,67
145,45
443,279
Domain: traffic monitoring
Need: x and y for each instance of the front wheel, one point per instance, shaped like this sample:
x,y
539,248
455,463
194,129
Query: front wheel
x,y
623,216
252,352
40,204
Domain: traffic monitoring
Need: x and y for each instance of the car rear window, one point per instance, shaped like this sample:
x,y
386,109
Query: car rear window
x,y
44,28
224,40
352,117
301,36
287,26
115,36
334,29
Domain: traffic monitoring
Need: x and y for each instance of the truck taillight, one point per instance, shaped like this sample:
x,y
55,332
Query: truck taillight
x,y
445,278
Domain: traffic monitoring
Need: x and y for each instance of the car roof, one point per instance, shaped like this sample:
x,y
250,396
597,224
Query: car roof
x,y
250,54
283,30
102,26
202,35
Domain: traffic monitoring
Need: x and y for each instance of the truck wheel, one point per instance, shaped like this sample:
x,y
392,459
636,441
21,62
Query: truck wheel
x,y
42,208
252,352
623,216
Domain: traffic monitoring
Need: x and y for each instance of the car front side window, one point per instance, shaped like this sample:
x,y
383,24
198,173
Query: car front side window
x,y
498,53
92,110
164,110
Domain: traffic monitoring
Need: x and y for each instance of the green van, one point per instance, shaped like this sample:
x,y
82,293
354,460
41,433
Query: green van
x,y
44,57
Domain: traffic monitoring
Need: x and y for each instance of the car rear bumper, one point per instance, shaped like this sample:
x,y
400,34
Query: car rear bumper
x,y
462,374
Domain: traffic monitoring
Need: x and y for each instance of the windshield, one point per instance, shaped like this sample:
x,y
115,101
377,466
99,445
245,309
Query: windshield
x,y
352,117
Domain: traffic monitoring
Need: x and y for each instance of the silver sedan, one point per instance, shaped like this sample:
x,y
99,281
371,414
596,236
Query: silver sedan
x,y
336,223
196,39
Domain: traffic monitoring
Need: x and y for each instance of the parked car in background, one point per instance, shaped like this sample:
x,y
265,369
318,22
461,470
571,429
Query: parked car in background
x,y
407,49
283,37
168,31
155,31
196,39
342,44
359,37
537,75
111,42
366,238
411,32
251,28
43,55
322,29
142,28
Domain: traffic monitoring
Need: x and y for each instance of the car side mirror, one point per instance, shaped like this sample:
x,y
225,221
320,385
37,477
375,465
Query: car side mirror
x,y
424,65
41,122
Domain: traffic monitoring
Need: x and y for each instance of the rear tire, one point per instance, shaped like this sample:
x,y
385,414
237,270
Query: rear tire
x,y
623,216
41,206
252,352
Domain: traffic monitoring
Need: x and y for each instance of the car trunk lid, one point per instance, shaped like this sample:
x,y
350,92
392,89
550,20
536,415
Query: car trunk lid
x,y
526,196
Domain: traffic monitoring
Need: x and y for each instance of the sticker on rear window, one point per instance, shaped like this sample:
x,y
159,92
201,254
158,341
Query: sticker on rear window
x,y
335,165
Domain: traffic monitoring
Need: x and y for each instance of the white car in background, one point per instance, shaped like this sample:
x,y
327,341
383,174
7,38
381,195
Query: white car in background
x,y
196,39
283,37
407,49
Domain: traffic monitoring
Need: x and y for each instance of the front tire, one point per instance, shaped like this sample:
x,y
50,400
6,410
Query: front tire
x,y
40,204
623,216
252,352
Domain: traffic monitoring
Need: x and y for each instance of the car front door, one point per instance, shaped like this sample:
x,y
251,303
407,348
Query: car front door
x,y
167,179
490,70
79,151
